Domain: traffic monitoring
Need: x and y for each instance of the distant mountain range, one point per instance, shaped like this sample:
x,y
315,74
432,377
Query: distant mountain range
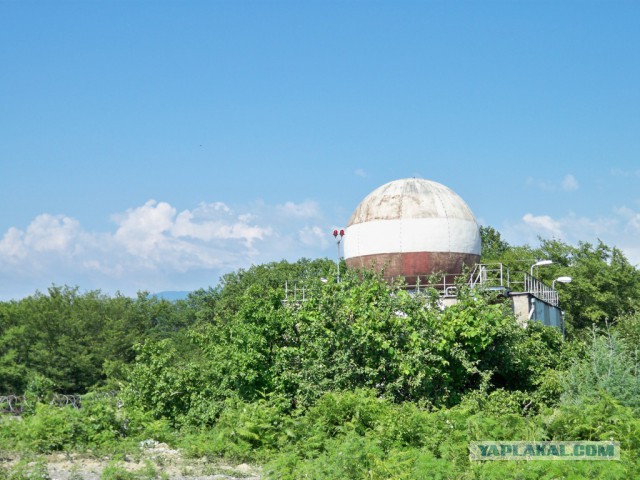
x,y
172,295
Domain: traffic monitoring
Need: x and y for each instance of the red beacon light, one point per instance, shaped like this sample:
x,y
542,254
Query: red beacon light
x,y
335,233
342,233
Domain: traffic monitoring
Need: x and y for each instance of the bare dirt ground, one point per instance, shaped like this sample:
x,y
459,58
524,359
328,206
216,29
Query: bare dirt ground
x,y
155,461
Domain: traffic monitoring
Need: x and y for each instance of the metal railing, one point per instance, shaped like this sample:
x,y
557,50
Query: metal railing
x,y
294,295
484,276
488,277
540,290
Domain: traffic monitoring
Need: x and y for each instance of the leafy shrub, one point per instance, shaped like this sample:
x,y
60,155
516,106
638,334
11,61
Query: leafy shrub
x,y
607,367
605,419
39,389
244,431
335,412
28,468
115,472
49,429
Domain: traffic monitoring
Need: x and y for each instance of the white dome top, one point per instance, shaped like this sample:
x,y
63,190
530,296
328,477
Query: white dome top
x,y
411,198
412,215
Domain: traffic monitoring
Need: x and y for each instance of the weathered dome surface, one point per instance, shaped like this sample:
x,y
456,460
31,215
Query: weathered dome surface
x,y
412,227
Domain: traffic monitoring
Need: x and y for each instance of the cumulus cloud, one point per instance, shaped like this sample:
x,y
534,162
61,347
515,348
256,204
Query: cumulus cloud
x,y
544,224
619,172
46,237
314,236
306,209
154,246
631,217
540,184
143,230
12,246
620,229
568,183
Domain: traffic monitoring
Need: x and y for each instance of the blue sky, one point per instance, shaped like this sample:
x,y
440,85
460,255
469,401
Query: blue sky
x,y
157,145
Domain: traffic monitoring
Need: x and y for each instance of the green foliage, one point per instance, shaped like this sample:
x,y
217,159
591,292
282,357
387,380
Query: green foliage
x,y
359,333
605,285
244,431
494,247
28,468
102,422
627,331
355,435
39,389
607,367
160,382
50,428
373,438
357,379
114,471
70,337
604,418
226,300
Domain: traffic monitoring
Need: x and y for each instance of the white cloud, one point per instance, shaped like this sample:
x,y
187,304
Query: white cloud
x,y
306,209
620,229
142,231
48,233
156,247
201,224
540,184
359,172
544,224
569,183
314,236
618,172
632,217
12,246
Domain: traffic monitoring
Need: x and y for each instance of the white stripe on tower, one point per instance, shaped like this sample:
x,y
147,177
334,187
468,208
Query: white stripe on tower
x,y
412,235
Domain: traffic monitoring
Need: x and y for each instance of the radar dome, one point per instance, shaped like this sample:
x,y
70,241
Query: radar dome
x,y
412,227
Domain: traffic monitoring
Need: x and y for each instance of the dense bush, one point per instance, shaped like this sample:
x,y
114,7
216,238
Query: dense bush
x,y
75,339
357,379
607,367
357,435
358,333
47,428
605,286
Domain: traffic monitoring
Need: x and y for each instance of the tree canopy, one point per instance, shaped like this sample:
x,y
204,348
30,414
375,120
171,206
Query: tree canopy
x,y
604,287
358,378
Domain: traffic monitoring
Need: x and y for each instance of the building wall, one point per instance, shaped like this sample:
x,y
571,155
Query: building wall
x,y
527,307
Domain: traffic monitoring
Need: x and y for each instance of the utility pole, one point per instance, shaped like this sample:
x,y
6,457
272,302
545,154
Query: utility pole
x,y
339,234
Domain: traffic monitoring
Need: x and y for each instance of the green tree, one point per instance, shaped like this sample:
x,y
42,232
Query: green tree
x,y
493,246
76,339
605,285
357,333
